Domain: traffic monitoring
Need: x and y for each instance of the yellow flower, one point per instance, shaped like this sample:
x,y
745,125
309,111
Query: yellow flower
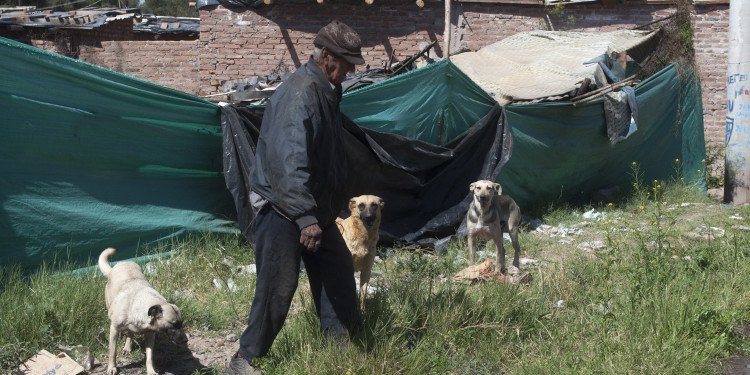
x,y
703,161
658,186
699,171
610,205
633,163
676,160
642,208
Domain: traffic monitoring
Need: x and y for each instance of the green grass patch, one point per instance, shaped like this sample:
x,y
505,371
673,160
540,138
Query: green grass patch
x,y
665,292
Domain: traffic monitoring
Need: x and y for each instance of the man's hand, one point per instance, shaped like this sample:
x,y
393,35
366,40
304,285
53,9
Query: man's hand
x,y
310,237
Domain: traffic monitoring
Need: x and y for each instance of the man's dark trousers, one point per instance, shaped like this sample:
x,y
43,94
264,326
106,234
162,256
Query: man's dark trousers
x,y
277,257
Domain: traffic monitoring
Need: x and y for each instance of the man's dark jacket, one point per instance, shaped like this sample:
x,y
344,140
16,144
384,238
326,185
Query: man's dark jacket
x,y
299,165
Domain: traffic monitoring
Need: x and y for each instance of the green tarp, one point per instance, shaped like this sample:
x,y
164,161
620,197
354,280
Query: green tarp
x,y
561,152
92,158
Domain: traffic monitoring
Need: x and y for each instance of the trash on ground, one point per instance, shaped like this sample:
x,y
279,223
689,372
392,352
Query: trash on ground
x,y
528,262
45,362
486,272
705,233
558,231
150,268
592,214
219,284
249,269
81,354
591,245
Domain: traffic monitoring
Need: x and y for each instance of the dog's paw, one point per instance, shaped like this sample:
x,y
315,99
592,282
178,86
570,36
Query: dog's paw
x,y
111,370
126,351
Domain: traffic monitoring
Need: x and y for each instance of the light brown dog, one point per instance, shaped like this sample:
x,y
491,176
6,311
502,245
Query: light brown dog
x,y
134,306
360,231
490,214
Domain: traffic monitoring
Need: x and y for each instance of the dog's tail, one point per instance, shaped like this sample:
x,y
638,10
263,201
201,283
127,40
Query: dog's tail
x,y
104,260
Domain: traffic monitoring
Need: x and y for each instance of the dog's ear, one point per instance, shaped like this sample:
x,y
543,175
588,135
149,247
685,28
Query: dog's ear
x,y
381,202
352,204
497,188
471,187
155,311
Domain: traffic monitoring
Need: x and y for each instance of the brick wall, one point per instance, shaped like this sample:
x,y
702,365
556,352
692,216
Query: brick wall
x,y
172,64
237,45
241,45
711,41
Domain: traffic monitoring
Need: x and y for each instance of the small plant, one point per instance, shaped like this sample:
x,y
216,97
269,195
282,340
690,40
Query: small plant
x,y
714,165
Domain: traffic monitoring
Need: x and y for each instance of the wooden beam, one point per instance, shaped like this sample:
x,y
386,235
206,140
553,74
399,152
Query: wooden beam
x,y
447,30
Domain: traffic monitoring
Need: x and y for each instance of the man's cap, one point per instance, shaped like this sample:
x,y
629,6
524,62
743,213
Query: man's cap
x,y
342,40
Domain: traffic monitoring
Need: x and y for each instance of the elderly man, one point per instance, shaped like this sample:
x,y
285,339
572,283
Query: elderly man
x,y
299,187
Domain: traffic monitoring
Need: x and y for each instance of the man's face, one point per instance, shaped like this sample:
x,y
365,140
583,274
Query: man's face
x,y
335,67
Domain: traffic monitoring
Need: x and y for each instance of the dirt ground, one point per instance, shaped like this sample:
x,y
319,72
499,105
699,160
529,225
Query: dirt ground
x,y
204,350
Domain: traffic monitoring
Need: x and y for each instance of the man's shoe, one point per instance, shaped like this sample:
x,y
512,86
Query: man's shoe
x,y
239,366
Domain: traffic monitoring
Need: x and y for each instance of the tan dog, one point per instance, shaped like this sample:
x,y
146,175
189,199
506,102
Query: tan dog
x,y
360,231
490,214
134,306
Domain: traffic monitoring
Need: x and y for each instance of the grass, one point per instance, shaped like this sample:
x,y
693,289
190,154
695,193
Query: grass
x,y
664,293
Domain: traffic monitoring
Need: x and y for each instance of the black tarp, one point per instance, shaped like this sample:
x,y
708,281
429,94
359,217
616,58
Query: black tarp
x,y
425,186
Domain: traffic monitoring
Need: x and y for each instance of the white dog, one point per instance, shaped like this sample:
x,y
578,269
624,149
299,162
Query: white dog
x,y
134,306
490,214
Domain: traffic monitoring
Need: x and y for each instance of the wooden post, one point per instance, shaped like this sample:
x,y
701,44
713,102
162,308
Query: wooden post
x,y
447,32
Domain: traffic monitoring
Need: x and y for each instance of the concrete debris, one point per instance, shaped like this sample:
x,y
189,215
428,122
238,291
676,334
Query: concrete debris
x,y
737,217
740,227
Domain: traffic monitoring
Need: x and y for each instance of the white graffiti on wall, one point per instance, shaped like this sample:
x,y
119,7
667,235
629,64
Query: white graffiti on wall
x,y
738,113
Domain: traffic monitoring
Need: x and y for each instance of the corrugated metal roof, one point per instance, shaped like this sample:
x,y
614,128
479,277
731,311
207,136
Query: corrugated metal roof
x,y
160,25
86,18
90,18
